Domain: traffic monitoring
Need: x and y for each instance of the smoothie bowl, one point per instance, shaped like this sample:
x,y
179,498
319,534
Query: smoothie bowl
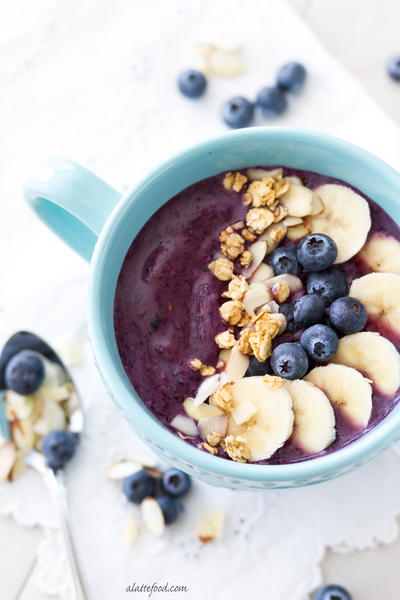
x,y
244,302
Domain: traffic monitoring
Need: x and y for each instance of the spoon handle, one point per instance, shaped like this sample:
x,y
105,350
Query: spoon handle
x,y
58,490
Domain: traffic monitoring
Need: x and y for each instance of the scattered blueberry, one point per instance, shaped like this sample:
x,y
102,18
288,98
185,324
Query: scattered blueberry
x,y
170,506
308,310
393,67
329,284
320,342
286,308
176,482
24,373
139,486
192,83
272,101
348,315
289,361
257,368
238,112
317,252
291,77
58,447
332,592
284,260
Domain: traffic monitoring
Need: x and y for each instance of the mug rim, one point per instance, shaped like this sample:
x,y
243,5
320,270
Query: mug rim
x,y
306,469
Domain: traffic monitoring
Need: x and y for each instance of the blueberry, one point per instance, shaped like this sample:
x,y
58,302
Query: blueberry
x,y
308,310
320,342
272,101
316,252
170,506
284,260
238,112
286,308
176,482
24,373
192,83
58,447
291,77
289,361
348,315
393,67
332,592
329,284
139,486
257,368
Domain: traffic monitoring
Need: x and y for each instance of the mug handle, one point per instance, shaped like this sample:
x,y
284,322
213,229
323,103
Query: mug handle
x,y
71,201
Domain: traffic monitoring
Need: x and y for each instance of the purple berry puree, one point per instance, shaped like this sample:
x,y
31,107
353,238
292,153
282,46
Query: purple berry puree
x,y
166,302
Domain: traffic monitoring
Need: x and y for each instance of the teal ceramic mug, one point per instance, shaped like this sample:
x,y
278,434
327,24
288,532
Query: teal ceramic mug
x,y
100,224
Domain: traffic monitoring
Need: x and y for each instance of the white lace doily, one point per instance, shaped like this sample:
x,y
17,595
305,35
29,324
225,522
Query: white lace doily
x,y
103,76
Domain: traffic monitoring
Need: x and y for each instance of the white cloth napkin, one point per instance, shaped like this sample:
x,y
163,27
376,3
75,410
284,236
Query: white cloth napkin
x,y
95,81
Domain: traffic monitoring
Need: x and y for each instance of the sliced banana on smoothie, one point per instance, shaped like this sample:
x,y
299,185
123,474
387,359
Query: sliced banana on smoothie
x,y
300,201
381,253
270,416
345,218
347,390
314,419
380,294
373,355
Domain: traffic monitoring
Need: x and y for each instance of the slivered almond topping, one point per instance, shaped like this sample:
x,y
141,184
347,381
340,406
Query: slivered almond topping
x,y
273,381
250,237
234,181
214,438
208,447
246,259
280,212
223,397
222,268
236,448
258,219
237,287
225,339
280,291
210,527
231,311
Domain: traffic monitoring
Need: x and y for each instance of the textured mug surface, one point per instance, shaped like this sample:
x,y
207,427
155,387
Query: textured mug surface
x,y
100,225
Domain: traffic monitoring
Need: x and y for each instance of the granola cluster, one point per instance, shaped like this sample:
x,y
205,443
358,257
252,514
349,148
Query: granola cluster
x,y
204,370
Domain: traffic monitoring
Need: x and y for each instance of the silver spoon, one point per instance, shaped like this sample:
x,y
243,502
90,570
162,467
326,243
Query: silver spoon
x,y
54,480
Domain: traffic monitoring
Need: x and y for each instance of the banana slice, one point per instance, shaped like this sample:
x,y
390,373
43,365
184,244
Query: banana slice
x,y
381,253
314,419
346,389
374,356
380,294
300,201
345,218
270,425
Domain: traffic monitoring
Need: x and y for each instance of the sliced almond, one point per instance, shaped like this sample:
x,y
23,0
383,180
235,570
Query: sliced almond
x,y
206,388
298,232
258,250
237,365
273,236
292,221
57,393
294,179
152,515
200,412
122,469
17,406
292,281
256,296
262,272
8,454
210,527
23,435
185,424
213,425
298,201
224,355
131,532
52,417
19,467
258,174
282,322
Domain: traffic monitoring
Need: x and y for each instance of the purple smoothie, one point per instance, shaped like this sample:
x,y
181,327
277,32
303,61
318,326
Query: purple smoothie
x,y
166,303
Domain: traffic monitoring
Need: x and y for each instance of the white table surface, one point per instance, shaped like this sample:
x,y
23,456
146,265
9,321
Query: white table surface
x,y
361,35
